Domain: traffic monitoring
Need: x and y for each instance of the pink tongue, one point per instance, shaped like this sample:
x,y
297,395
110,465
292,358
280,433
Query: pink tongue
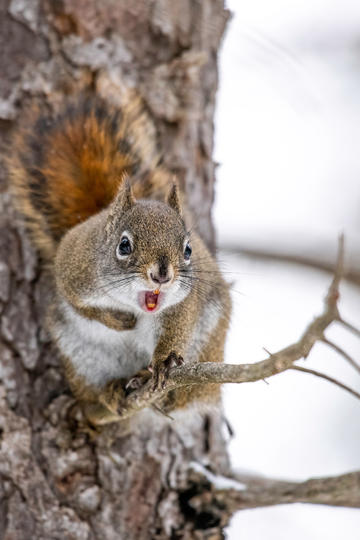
x,y
151,300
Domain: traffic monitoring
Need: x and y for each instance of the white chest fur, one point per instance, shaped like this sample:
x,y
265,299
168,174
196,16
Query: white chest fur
x,y
99,353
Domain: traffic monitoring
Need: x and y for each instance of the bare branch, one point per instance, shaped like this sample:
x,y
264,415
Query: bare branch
x,y
315,256
343,353
327,378
210,372
350,327
242,491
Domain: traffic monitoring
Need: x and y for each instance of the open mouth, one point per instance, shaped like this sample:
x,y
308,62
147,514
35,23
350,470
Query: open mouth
x,y
151,299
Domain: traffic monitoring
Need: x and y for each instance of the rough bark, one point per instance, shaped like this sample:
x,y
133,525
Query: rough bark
x,y
56,480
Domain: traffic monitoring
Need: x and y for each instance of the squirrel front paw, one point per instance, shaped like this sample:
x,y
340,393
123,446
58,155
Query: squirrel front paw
x,y
127,320
161,370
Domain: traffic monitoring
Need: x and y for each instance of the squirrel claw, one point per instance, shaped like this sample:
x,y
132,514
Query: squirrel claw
x,y
175,360
161,372
138,380
134,383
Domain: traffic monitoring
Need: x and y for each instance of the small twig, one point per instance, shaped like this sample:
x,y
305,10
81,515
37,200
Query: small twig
x,y
228,427
349,326
333,293
327,378
343,353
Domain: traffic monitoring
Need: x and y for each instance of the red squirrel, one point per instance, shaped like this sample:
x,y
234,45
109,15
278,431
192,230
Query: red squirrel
x,y
134,287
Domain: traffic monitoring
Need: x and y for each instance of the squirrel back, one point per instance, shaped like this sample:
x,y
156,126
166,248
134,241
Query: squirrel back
x,y
67,167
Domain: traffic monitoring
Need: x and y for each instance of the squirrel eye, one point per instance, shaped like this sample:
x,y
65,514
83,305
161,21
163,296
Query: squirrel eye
x,y
187,252
124,248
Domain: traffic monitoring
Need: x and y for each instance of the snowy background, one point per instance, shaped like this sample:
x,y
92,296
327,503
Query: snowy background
x,y
288,130
288,147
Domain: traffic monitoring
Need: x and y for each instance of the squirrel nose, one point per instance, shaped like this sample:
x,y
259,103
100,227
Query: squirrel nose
x,y
161,272
159,278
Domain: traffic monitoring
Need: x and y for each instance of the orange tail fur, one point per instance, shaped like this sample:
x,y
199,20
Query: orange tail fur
x,y
65,169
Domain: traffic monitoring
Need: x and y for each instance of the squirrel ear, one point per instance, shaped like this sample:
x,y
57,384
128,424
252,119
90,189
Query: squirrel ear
x,y
173,199
123,201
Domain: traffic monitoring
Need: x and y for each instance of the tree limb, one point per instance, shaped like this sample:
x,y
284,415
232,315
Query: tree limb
x,y
242,491
209,372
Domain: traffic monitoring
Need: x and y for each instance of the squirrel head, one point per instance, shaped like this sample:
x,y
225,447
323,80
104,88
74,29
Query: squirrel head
x,y
146,253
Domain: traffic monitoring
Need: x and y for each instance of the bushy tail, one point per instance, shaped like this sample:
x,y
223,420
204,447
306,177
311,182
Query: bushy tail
x,y
65,169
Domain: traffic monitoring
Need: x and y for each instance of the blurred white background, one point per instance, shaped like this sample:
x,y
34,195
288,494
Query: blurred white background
x,y
288,147
287,125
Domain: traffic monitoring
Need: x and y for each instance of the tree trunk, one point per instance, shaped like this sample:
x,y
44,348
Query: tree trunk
x,y
129,482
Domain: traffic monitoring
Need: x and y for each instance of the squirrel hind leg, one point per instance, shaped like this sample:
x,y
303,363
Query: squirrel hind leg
x,y
106,409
